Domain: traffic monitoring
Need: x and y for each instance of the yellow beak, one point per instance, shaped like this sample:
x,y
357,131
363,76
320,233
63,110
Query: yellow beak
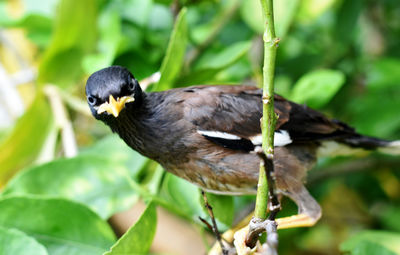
x,y
114,107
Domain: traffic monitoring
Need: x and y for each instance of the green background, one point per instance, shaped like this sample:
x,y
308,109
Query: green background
x,y
341,57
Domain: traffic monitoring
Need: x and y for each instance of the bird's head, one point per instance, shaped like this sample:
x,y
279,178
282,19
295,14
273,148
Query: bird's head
x,y
110,90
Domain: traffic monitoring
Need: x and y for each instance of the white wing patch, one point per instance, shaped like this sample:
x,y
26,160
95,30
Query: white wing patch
x,y
217,134
281,137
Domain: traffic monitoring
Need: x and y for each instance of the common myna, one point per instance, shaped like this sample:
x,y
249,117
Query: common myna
x,y
207,135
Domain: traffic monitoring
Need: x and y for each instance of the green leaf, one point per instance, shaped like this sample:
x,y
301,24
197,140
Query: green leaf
x,y
138,239
15,242
182,195
224,58
23,144
117,150
173,60
223,208
372,243
210,65
99,182
74,35
203,76
318,87
63,227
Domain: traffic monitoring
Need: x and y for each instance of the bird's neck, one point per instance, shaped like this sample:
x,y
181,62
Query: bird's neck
x,y
137,127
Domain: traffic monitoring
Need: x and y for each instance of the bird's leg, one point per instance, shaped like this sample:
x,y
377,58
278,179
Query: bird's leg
x,y
214,226
309,210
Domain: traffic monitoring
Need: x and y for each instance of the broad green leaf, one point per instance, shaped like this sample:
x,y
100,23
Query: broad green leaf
x,y
203,76
116,149
223,208
99,182
284,12
182,195
15,242
23,144
373,243
63,227
173,60
225,57
318,87
154,177
74,35
138,239
208,67
187,199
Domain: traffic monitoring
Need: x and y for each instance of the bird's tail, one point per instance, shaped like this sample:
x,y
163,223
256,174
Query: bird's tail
x,y
392,148
372,143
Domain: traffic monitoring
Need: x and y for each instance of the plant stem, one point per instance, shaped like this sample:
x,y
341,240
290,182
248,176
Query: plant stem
x,y
269,118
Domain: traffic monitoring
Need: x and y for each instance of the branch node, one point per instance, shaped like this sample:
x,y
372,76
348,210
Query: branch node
x,y
266,99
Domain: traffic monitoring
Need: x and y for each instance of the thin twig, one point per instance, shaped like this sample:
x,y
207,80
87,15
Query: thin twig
x,y
10,96
154,78
24,76
205,222
175,8
62,121
214,223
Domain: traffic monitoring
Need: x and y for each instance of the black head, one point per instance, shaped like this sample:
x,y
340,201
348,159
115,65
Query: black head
x,y
109,90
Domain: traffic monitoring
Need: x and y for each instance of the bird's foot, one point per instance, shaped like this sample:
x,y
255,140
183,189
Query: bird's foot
x,y
299,220
249,235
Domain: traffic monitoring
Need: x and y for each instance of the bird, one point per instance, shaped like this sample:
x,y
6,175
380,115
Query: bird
x,y
207,135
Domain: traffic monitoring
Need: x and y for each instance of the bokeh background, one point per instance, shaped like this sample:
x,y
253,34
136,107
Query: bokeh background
x,y
70,187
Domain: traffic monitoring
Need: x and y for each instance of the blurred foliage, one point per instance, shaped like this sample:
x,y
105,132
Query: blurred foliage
x,y
342,57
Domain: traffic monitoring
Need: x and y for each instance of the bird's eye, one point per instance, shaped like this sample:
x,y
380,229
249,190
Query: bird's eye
x,y
131,85
92,100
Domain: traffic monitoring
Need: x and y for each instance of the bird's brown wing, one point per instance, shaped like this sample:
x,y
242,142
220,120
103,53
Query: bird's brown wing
x,y
237,110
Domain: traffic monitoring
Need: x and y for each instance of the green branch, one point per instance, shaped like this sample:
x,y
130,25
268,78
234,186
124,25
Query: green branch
x,y
269,118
